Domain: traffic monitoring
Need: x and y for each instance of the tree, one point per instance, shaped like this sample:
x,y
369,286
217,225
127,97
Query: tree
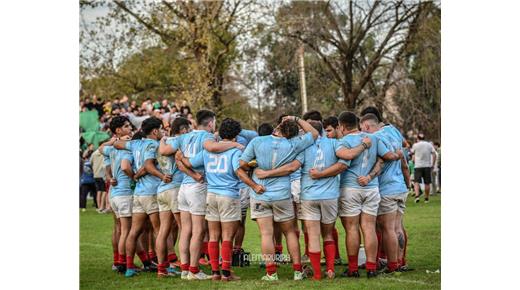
x,y
354,40
204,35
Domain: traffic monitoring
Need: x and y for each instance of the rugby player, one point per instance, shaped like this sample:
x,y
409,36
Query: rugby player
x,y
275,204
193,190
392,188
400,230
145,203
119,165
167,199
223,198
358,205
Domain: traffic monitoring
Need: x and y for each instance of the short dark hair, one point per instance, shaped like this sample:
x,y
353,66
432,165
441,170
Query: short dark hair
x,y
180,123
420,136
289,129
436,143
372,110
204,117
369,117
150,124
118,122
348,119
331,121
138,135
265,129
280,118
317,125
229,129
313,115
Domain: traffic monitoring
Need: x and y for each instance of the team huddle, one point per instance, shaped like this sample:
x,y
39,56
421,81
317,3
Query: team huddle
x,y
195,185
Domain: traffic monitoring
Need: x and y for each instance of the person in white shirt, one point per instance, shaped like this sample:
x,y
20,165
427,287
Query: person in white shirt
x,y
424,156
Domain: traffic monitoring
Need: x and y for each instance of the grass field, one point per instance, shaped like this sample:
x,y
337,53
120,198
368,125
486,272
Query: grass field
x,y
423,223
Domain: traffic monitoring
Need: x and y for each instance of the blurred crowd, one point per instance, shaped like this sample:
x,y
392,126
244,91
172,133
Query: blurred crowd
x,y
92,175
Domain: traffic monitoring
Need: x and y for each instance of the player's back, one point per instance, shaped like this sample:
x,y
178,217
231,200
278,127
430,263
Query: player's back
x,y
114,157
391,180
220,172
320,155
142,150
168,166
363,163
190,144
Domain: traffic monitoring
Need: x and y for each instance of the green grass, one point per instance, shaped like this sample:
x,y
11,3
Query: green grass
x,y
422,221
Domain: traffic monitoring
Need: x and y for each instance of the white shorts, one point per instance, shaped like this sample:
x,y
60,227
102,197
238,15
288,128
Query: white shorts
x,y
122,205
280,210
145,204
220,208
391,203
192,198
167,200
353,201
323,210
296,190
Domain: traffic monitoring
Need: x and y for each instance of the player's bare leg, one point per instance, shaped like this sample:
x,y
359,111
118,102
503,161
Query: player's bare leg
x,y
161,243
368,227
352,240
293,244
265,226
387,222
184,241
138,221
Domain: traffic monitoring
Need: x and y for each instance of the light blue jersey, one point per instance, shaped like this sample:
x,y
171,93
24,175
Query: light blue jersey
x,y
243,138
113,157
272,152
321,155
298,173
391,179
168,166
363,163
220,171
143,150
191,144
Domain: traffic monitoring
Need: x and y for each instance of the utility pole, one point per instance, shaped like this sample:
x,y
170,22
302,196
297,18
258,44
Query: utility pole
x,y
301,68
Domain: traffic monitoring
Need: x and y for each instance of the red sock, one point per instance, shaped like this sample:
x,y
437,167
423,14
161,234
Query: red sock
x,y
151,255
172,257
130,262
315,262
270,268
185,267
336,238
122,259
306,239
116,258
226,255
392,266
371,266
297,267
194,270
330,250
142,256
352,263
213,255
161,268
205,249
278,248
